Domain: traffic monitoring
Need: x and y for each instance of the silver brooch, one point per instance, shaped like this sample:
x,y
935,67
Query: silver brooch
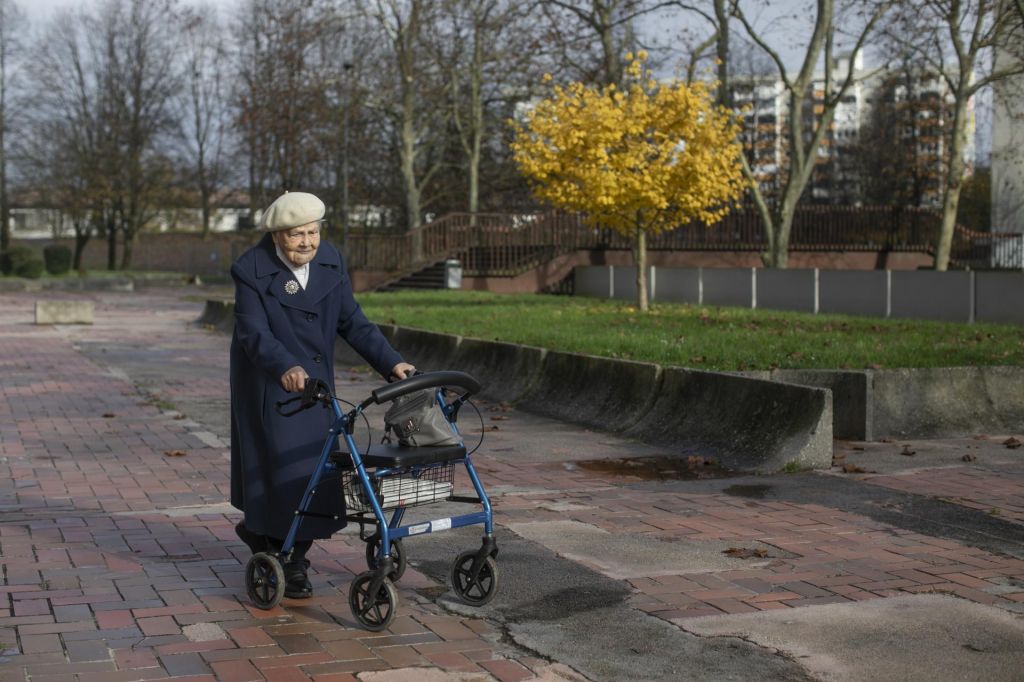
x,y
291,287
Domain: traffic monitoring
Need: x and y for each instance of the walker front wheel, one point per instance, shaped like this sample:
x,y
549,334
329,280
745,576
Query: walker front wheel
x,y
264,580
397,555
475,590
373,611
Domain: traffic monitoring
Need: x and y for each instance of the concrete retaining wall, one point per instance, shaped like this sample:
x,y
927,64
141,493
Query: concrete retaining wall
x,y
506,370
852,415
918,403
947,402
920,294
747,424
718,411
602,393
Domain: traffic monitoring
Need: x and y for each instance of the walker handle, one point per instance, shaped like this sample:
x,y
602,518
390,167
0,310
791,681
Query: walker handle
x,y
315,391
425,380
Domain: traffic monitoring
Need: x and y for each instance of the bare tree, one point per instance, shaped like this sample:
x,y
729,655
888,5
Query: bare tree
x,y
64,147
12,22
417,113
593,36
490,53
805,133
282,89
203,116
958,40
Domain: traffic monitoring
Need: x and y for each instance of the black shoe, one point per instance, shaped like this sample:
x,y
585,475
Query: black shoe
x,y
257,543
296,582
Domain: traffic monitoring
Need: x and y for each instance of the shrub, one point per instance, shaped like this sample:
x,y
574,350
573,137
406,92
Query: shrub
x,y
57,258
14,258
31,269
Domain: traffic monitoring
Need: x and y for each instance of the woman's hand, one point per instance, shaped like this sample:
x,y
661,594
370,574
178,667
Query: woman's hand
x,y
294,380
402,370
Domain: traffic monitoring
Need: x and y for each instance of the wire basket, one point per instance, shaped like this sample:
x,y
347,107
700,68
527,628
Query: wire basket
x,y
405,489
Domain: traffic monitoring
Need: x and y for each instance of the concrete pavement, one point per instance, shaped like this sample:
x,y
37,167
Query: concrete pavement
x,y
120,562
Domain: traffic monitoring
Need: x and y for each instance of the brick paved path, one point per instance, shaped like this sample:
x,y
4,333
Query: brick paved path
x,y
120,562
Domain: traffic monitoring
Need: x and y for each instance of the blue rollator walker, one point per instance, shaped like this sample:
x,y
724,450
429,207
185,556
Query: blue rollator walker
x,y
389,479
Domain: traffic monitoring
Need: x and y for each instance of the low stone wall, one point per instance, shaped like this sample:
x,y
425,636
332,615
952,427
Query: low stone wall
x,y
745,423
946,402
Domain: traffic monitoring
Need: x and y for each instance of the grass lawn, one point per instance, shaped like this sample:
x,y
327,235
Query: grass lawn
x,y
699,336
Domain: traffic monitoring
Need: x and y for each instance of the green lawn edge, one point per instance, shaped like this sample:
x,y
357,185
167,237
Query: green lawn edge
x,y
702,337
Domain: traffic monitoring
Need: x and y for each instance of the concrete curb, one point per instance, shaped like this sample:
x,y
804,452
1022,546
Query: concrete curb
x,y
744,422
506,370
852,393
219,314
941,402
947,402
602,393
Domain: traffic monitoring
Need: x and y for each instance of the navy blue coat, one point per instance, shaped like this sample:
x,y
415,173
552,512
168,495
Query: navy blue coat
x,y
273,457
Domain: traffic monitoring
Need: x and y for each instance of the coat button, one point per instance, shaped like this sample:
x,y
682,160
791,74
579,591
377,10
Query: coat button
x,y
310,316
318,358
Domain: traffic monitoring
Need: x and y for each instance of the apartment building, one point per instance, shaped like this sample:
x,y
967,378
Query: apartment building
x,y
897,120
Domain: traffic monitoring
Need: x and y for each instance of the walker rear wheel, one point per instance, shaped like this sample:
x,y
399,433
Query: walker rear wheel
x,y
475,590
264,580
397,555
374,612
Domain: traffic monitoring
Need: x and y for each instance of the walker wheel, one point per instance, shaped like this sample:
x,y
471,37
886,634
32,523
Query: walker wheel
x,y
475,590
373,612
373,544
264,580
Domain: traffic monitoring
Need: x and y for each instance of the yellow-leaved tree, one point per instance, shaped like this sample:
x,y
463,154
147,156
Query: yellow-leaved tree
x,y
641,160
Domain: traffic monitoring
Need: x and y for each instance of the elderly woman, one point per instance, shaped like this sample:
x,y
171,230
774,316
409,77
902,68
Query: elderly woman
x,y
292,296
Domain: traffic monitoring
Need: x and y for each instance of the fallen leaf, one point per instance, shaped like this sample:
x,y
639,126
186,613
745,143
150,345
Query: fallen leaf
x,y
981,437
179,416
175,453
854,469
492,427
907,451
1012,443
746,553
874,365
109,415
498,418
858,447
969,457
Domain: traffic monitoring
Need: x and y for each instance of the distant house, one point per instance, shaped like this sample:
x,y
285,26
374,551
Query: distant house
x,y
32,217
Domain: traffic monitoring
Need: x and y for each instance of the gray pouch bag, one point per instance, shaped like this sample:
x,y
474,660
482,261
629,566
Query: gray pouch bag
x,y
417,420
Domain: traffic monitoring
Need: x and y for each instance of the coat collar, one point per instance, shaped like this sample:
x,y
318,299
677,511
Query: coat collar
x,y
324,274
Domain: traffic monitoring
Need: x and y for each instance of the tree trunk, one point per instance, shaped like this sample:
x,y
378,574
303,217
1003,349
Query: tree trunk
x,y
81,239
640,258
954,183
111,245
778,253
130,240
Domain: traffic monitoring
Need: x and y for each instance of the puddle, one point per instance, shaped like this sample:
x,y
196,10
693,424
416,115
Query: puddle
x,y
657,468
755,491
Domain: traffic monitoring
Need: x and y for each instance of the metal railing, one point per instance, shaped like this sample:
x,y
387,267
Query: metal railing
x,y
498,244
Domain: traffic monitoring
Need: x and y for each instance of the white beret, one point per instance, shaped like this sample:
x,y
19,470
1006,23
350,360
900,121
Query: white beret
x,y
293,209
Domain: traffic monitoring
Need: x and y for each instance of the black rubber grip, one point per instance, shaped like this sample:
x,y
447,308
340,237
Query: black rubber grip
x,y
425,380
